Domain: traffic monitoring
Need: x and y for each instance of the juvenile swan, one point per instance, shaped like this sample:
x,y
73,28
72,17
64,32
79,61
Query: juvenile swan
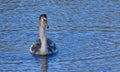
x,y
43,46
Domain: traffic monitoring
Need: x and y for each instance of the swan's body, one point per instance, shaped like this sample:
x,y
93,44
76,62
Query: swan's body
x,y
43,46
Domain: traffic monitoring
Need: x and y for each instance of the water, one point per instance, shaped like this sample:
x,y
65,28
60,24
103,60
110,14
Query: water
x,y
87,35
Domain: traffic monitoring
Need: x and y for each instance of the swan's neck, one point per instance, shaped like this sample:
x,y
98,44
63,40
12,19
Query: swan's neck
x,y
43,49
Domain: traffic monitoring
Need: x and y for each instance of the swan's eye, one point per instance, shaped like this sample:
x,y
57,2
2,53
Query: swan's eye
x,y
45,19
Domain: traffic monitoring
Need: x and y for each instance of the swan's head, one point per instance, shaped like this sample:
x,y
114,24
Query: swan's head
x,y
43,21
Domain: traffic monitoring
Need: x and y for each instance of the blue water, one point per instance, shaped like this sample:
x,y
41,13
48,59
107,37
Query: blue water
x,y
86,33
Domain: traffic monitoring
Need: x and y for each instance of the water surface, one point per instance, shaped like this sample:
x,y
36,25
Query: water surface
x,y
86,33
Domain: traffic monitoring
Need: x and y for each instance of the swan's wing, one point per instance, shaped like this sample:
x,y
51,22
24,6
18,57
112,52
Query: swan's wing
x,y
35,47
51,46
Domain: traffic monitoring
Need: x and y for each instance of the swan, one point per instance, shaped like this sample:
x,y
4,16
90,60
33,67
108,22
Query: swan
x,y
43,46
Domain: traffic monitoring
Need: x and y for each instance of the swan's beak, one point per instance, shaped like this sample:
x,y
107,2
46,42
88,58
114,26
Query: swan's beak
x,y
47,26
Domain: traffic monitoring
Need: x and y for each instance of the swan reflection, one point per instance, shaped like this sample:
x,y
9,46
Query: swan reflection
x,y
44,63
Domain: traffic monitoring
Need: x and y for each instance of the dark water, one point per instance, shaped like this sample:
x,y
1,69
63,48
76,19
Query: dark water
x,y
86,32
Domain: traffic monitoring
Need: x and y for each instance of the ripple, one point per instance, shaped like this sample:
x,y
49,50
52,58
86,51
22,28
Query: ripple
x,y
10,62
93,58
